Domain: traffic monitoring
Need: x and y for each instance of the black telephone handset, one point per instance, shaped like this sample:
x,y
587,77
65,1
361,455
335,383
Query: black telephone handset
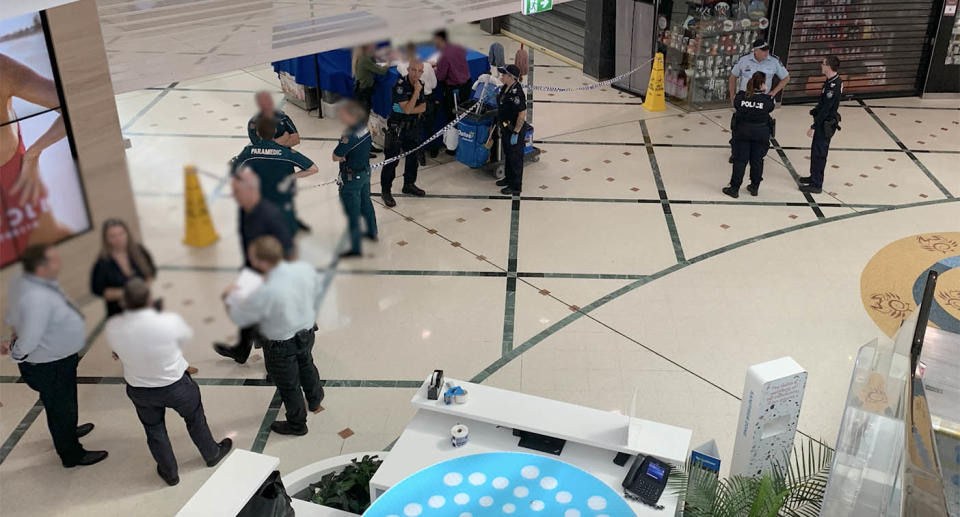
x,y
646,480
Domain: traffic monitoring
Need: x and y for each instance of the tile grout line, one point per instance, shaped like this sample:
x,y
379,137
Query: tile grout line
x,y
916,161
149,106
664,200
34,411
796,178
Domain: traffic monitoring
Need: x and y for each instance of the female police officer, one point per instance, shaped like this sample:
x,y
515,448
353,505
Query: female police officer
x,y
751,134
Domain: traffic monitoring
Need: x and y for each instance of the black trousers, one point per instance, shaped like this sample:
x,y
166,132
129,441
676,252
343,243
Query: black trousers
x,y
183,397
248,338
56,382
400,139
818,157
512,159
364,96
290,365
749,145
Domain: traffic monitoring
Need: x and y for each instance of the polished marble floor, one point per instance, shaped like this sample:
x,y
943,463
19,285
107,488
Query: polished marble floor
x,y
621,267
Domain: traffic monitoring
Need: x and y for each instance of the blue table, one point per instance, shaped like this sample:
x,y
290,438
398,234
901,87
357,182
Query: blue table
x,y
500,483
331,71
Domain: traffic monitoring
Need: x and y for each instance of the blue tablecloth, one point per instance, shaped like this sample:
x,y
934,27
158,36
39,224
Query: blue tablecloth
x,y
331,71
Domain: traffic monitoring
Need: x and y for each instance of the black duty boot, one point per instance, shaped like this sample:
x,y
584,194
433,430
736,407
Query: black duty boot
x,y
730,191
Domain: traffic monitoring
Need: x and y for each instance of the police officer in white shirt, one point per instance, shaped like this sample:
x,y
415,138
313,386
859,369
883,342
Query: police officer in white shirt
x,y
759,60
285,309
148,343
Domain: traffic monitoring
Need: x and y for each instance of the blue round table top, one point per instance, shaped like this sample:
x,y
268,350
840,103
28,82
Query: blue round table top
x,y
500,483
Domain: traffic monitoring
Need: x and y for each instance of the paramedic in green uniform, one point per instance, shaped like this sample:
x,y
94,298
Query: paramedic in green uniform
x,y
285,134
275,165
353,154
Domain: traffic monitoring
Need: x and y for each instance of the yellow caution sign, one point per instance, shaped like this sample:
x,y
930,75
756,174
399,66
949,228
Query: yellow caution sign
x,y
654,100
198,228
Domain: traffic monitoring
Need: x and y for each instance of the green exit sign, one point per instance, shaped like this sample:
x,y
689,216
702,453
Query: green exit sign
x,y
536,6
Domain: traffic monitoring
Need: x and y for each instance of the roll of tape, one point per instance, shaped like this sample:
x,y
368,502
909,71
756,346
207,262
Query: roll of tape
x,y
459,435
460,398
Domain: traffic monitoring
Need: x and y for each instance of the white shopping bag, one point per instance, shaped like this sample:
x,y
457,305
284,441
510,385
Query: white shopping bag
x,y
450,138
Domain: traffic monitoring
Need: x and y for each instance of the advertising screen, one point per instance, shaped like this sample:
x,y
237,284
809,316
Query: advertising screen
x,y
41,195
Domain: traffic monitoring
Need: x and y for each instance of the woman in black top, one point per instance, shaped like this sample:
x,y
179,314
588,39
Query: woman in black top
x,y
751,134
121,258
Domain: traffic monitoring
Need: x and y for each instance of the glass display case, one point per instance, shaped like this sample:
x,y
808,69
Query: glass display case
x,y
701,42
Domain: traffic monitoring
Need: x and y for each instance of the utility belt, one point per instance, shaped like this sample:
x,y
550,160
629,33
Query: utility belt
x,y
771,124
399,125
299,336
348,174
830,125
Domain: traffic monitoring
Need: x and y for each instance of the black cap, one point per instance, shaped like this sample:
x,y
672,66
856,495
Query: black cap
x,y
510,69
760,44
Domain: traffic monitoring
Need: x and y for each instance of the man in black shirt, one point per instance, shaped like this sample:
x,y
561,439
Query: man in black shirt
x,y
258,217
826,122
404,133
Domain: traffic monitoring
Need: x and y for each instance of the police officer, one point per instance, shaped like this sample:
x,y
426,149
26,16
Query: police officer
x,y
404,133
353,153
758,60
751,134
275,165
826,122
511,116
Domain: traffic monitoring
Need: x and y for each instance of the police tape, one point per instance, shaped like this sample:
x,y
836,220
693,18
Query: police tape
x,y
438,134
593,86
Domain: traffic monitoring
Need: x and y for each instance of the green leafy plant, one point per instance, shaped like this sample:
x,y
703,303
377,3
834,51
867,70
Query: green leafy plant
x,y
348,489
792,487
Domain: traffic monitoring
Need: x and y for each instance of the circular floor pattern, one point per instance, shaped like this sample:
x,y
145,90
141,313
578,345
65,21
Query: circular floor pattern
x,y
893,280
498,484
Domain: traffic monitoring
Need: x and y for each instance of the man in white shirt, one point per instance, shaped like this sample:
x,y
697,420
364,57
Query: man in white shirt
x,y
148,343
285,310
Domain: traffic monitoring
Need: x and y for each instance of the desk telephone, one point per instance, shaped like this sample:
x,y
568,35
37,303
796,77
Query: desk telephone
x,y
646,480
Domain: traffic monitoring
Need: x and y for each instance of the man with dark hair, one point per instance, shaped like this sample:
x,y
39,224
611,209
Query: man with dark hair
x,y
148,343
48,335
826,122
285,309
404,133
275,165
453,73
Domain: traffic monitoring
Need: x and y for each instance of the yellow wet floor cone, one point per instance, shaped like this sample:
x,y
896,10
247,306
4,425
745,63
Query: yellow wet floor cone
x,y
198,227
654,100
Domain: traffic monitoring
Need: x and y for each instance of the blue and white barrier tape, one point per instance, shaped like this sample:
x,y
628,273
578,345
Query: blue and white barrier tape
x,y
588,87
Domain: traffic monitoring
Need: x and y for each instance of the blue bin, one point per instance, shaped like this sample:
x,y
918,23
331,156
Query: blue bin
x,y
473,134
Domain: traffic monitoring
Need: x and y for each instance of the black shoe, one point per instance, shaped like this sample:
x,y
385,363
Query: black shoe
x,y
754,190
434,152
302,226
730,191
316,407
388,199
804,180
372,156
372,238
88,458
451,153
502,183
284,427
375,149
350,254
228,351
225,445
413,190
507,191
168,480
84,429
810,189
730,159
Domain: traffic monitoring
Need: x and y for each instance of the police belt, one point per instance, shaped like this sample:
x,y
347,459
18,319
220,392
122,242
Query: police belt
x,y
403,124
296,337
347,174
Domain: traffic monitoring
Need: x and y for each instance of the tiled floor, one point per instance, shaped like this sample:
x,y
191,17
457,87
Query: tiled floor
x,y
621,267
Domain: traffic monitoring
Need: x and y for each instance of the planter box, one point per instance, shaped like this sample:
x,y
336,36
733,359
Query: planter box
x,y
298,482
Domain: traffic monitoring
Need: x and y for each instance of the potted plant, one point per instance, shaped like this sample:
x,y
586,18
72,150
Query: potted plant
x,y
347,489
793,487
